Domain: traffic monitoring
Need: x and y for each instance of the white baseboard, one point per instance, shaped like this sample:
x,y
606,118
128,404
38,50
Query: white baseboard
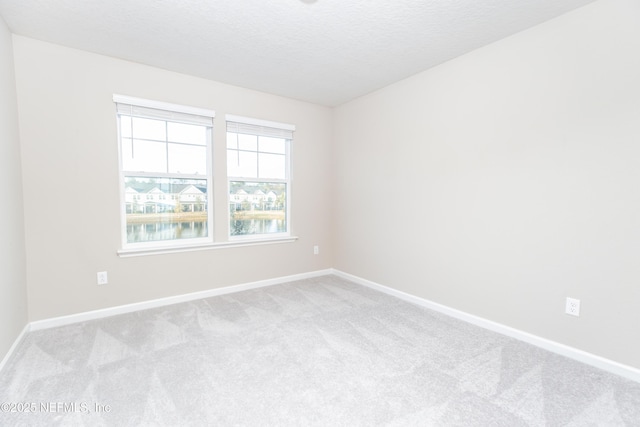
x,y
18,340
555,347
608,365
161,302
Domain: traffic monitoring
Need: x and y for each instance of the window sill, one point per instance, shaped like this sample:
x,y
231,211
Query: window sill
x,y
125,253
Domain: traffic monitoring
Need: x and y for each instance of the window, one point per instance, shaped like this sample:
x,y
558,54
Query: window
x,y
258,173
165,150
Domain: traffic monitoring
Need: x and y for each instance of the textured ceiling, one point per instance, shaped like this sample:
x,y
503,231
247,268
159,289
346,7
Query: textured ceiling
x,y
322,51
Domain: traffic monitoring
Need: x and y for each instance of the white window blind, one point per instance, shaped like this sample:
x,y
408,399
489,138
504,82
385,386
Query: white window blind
x,y
147,109
249,126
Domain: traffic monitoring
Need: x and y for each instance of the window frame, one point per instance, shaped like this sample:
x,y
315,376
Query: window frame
x,y
287,130
172,244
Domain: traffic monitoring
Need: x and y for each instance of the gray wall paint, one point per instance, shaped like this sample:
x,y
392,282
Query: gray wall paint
x,y
71,186
13,285
506,180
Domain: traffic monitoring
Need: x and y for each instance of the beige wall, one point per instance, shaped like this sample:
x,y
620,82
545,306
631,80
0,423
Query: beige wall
x,y
13,285
71,193
505,180
498,183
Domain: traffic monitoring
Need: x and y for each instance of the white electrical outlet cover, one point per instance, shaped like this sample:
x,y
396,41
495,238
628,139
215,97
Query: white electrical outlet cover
x,y
573,307
102,278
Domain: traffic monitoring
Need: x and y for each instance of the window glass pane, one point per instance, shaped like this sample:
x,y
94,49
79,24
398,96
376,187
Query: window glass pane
x,y
247,142
125,126
149,129
272,145
232,163
165,209
272,166
127,153
187,159
242,164
232,140
144,156
188,134
257,208
248,164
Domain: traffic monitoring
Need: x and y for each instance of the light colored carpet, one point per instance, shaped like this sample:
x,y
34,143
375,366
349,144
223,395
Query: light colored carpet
x,y
320,351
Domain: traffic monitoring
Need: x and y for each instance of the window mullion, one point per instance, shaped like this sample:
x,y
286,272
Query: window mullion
x,y
260,180
162,175
166,143
258,156
132,137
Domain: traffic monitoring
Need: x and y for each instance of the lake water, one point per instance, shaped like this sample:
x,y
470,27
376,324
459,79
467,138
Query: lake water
x,y
189,230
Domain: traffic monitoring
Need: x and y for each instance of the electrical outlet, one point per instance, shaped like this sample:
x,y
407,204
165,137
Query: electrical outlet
x,y
102,278
316,250
573,307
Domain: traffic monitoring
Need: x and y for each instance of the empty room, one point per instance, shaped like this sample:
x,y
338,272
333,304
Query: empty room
x,y
320,212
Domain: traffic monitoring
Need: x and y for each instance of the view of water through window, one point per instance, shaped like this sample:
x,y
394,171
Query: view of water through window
x,y
257,208
165,209
160,209
146,232
155,231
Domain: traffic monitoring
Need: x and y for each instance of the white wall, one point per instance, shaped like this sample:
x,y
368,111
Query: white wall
x,y
505,180
71,193
13,284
